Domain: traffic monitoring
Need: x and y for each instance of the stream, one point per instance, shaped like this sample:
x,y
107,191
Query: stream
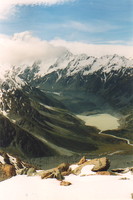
x,y
128,141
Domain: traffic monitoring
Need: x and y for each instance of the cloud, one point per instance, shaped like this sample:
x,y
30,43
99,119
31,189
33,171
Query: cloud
x,y
8,7
95,49
23,48
97,26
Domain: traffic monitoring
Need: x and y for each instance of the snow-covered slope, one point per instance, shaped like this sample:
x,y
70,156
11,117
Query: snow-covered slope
x,y
95,187
86,65
65,66
73,64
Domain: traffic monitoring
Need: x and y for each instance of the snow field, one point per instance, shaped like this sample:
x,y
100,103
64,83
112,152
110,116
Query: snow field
x,y
93,187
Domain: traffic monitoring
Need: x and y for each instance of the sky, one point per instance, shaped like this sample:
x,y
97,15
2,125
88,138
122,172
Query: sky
x,y
82,26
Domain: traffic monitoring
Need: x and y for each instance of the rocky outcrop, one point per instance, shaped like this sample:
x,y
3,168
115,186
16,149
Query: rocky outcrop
x,y
84,167
11,166
6,158
100,164
58,172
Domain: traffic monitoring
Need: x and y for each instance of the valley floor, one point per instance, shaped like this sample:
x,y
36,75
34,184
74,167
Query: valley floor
x,y
93,187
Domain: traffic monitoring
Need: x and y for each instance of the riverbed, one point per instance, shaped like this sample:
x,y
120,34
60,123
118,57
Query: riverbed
x,y
101,121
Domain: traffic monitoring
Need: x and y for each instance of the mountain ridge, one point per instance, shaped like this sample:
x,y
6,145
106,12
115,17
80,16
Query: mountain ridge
x,y
41,106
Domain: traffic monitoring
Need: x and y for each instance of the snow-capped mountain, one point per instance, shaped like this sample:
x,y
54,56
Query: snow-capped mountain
x,y
96,81
33,123
91,81
86,65
72,64
68,65
81,82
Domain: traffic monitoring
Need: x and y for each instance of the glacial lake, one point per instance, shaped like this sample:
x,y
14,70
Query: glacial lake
x,y
101,121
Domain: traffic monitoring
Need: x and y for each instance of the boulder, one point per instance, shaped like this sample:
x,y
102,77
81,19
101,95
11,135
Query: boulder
x,y
65,183
82,161
100,164
7,170
63,167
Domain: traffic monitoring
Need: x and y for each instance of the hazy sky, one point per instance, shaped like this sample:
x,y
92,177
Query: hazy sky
x,y
91,22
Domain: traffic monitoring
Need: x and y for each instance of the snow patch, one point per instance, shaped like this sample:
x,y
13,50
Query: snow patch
x,y
72,167
87,170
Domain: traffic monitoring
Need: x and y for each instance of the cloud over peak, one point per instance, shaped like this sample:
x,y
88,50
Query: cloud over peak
x,y
23,48
96,50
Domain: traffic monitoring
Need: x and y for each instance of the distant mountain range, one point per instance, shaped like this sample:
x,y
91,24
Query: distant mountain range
x,y
94,82
38,104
